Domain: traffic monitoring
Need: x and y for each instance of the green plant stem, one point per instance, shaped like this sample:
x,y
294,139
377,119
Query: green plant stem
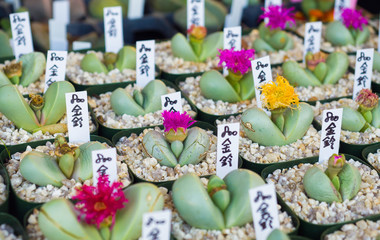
x,y
15,80
278,118
110,67
233,79
196,45
105,233
367,114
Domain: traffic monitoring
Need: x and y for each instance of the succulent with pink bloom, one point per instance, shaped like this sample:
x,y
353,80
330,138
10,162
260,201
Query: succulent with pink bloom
x,y
237,61
272,37
354,19
176,125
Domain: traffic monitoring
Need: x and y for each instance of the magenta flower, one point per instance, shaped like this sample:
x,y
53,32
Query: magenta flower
x,y
237,61
353,18
176,120
98,205
278,16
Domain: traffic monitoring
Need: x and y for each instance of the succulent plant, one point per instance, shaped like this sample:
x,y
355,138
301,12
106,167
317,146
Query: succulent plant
x,y
25,71
376,61
353,29
124,59
341,181
42,113
95,7
318,10
6,49
117,214
319,69
368,113
69,162
178,145
277,234
146,101
199,47
238,85
287,122
274,38
224,204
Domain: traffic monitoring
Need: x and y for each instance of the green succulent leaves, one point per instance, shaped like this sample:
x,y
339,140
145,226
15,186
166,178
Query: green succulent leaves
x,y
16,109
33,66
339,35
319,186
58,219
272,40
214,86
149,100
194,147
354,121
181,47
198,209
42,169
259,127
325,73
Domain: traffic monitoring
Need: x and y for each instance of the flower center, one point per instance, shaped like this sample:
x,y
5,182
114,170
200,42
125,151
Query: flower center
x,y
99,206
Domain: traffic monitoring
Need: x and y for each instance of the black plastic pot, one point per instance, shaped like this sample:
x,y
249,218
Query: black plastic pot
x,y
166,184
4,207
19,206
308,229
370,149
96,91
14,224
339,226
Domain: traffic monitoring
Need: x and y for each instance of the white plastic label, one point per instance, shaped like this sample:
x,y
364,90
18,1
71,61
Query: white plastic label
x,y
262,74
338,8
156,225
363,70
273,3
77,117
136,9
263,201
195,13
21,34
61,11
55,67
58,35
113,29
172,102
80,45
104,163
234,18
145,62
312,42
227,153
330,136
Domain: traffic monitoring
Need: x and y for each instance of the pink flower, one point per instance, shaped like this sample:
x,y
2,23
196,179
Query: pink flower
x,y
237,61
176,120
278,16
353,18
98,205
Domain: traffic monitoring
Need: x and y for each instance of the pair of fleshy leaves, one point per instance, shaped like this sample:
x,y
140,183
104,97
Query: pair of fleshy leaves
x,y
58,219
272,40
339,35
260,128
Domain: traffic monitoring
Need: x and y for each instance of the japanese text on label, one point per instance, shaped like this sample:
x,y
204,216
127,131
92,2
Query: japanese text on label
x,y
21,34
195,13
227,148
77,117
172,102
156,225
145,62
113,29
55,67
104,163
363,70
330,136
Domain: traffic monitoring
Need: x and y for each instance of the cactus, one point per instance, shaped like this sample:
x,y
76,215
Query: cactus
x,y
224,204
124,59
368,113
70,162
238,84
319,70
341,181
289,120
42,113
58,218
199,47
353,29
178,145
25,71
146,101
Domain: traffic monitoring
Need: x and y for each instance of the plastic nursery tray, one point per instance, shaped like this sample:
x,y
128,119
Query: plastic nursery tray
x,y
308,229
94,132
338,227
11,221
349,148
4,207
370,149
166,184
19,206
108,132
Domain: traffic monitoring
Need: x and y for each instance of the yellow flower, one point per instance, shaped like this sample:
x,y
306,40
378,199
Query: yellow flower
x,y
278,94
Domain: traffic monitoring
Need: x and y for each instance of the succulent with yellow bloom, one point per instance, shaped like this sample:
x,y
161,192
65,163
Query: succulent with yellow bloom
x,y
289,119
